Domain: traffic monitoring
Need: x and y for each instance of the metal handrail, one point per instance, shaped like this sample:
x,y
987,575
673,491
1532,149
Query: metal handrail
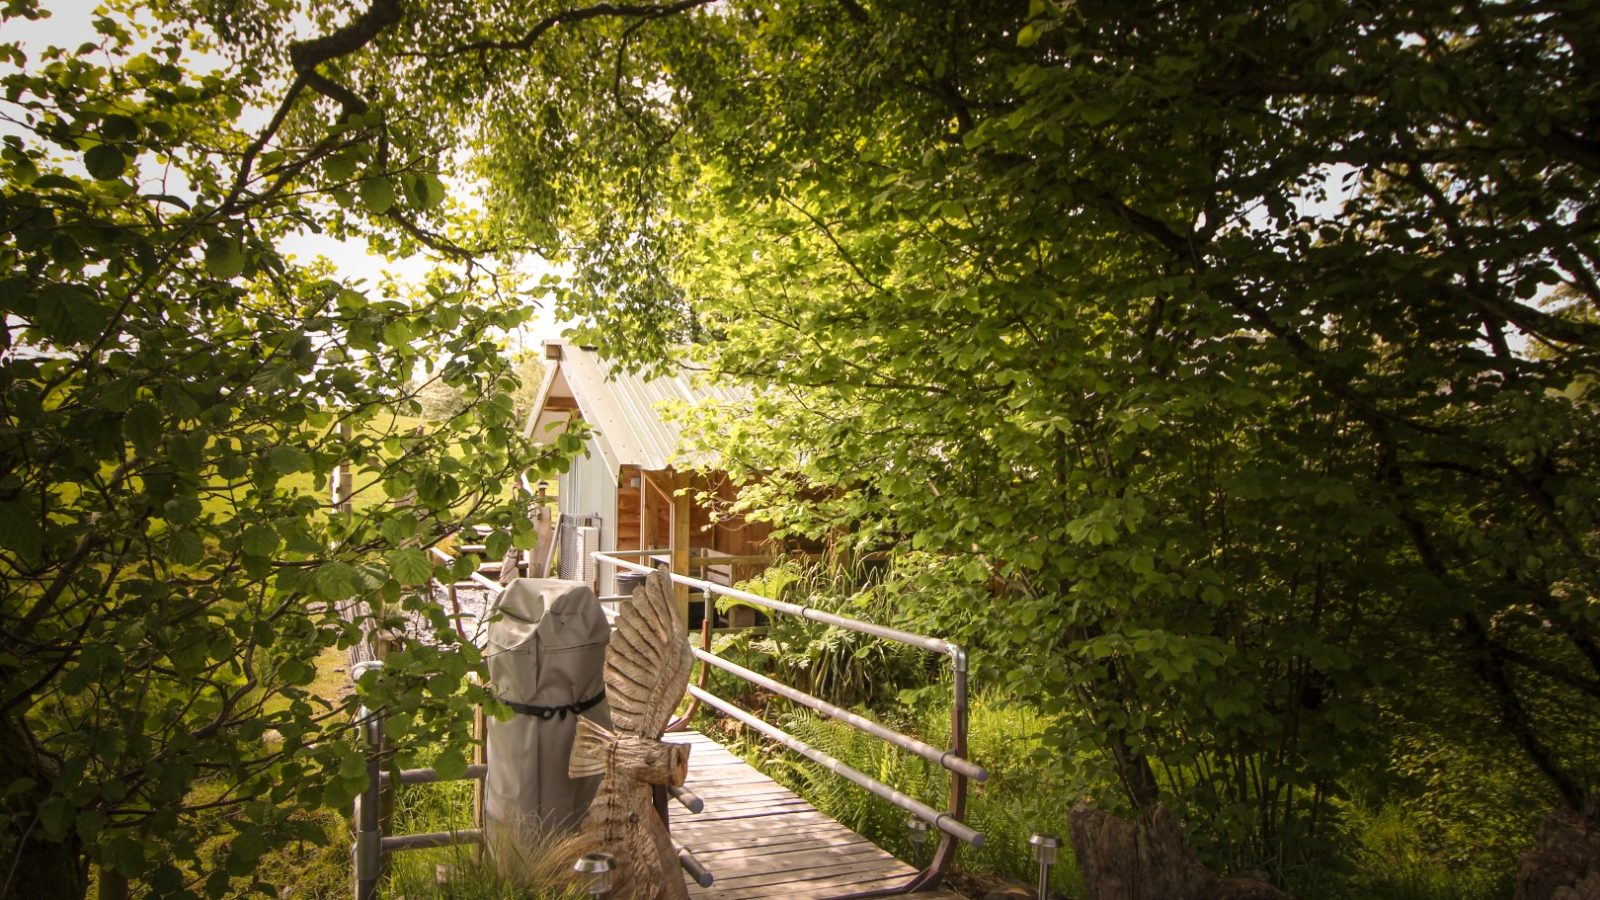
x,y
932,754
938,818
954,760
370,841
931,644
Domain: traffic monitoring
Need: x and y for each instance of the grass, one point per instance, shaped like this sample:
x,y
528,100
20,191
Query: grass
x,y
332,678
1381,853
1393,862
525,865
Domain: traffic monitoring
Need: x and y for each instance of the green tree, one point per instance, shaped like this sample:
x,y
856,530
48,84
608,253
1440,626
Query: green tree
x,y
174,391
1171,347
529,369
1175,344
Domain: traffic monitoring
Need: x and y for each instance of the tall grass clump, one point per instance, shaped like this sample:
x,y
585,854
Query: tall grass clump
x,y
1394,860
532,864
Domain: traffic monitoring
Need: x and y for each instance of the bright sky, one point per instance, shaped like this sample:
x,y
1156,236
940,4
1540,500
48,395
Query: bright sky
x,y
71,25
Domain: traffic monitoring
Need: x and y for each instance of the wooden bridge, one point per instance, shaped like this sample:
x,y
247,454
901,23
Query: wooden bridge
x,y
753,836
759,839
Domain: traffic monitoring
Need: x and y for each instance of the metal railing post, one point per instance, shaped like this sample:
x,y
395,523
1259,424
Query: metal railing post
x,y
945,853
368,849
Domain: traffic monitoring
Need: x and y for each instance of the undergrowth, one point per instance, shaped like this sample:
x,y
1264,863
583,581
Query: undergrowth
x,y
1381,850
538,867
1007,808
1385,854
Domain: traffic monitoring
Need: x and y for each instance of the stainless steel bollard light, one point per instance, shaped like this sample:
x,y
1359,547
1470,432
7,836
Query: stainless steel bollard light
x,y
1045,847
595,869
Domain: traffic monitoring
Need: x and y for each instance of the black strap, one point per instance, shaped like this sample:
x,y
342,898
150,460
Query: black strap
x,y
551,712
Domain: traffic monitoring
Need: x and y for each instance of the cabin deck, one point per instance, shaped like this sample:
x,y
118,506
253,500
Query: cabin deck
x,y
759,839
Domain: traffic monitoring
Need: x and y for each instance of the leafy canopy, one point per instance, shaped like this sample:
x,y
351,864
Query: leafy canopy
x,y
174,391
1195,362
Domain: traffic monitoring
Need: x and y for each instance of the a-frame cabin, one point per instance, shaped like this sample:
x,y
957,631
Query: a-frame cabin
x,y
633,488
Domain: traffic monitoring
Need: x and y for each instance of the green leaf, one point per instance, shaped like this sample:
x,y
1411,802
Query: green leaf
x,y
186,548
70,313
105,162
224,258
88,824
56,814
19,532
341,166
119,128
127,855
260,540
287,460
54,182
496,544
423,191
143,426
410,566
1098,111
378,194
432,190
247,846
333,581
523,537
450,764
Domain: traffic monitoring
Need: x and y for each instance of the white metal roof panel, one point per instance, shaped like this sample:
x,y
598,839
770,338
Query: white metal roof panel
x,y
627,410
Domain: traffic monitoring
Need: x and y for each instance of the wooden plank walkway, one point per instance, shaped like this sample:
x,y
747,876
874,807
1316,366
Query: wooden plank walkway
x,y
759,839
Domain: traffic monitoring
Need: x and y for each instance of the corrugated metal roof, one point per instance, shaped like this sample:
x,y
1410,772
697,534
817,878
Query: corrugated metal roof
x,y
625,409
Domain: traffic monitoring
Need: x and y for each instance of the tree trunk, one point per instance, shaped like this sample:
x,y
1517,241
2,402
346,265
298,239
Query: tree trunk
x,y
31,866
1147,859
1564,863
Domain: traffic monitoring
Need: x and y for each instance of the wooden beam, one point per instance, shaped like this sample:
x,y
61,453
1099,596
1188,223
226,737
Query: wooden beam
x,y
647,522
682,507
753,559
560,404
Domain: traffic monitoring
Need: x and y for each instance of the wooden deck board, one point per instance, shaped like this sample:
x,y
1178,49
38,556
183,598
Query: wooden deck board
x,y
759,839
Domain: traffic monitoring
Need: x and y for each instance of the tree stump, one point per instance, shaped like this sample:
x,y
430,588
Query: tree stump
x,y
1147,858
1564,863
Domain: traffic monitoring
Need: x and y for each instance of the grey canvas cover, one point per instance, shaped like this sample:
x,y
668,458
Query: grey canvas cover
x,y
546,650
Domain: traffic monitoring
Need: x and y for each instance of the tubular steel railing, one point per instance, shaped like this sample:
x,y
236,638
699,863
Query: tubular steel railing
x,y
370,841
952,759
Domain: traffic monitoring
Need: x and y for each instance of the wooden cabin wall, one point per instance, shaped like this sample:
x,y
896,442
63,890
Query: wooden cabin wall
x,y
629,496
654,527
734,537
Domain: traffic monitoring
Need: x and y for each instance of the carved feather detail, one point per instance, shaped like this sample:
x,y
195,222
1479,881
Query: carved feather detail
x,y
647,670
648,660
589,749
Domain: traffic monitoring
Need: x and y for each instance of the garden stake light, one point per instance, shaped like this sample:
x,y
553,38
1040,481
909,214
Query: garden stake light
x,y
917,833
1045,847
1044,850
596,868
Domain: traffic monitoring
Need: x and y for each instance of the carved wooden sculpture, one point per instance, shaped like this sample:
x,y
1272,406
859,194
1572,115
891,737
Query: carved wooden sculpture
x,y
647,671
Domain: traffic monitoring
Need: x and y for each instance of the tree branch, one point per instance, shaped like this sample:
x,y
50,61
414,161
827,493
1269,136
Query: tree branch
x,y
568,17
